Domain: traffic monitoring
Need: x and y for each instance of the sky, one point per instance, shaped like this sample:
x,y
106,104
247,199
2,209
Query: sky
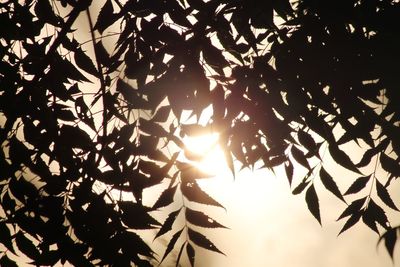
x,y
271,227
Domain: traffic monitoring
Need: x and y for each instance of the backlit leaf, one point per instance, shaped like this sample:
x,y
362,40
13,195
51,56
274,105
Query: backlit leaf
x,y
192,191
200,219
6,261
330,184
353,208
191,254
313,202
26,246
358,185
354,218
166,198
167,225
384,195
105,18
171,244
85,62
299,156
202,241
342,158
390,239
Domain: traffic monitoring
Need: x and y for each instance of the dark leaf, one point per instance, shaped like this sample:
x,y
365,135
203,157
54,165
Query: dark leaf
x,y
6,261
180,254
45,12
330,184
355,217
162,114
136,216
390,239
192,191
5,236
289,172
384,195
342,158
167,225
313,202
302,185
166,198
202,241
358,185
26,246
105,18
85,62
378,214
307,141
353,208
191,254
299,156
171,244
390,165
200,219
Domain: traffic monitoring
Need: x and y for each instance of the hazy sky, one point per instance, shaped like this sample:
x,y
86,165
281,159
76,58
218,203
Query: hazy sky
x,y
271,227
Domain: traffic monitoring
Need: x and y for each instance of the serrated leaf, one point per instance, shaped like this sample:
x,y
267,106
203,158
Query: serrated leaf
x,y
45,12
384,195
369,220
26,246
358,185
299,156
378,213
202,241
390,165
367,157
351,221
390,239
200,219
191,254
192,191
105,18
353,208
166,198
330,184
313,202
85,62
342,158
167,225
171,244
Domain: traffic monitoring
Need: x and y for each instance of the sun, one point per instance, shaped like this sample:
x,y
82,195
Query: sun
x,y
205,153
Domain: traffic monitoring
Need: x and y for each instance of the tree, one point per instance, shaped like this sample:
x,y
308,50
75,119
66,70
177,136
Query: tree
x,y
85,123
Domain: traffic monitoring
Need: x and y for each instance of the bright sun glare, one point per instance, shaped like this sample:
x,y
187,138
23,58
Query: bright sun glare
x,y
211,157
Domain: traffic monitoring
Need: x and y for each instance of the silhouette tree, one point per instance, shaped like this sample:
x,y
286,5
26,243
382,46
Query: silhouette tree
x,y
85,123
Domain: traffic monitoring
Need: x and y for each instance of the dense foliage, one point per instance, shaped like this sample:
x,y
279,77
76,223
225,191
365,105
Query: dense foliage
x,y
89,122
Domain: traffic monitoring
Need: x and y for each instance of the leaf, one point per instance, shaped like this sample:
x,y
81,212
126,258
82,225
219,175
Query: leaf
x,y
26,246
330,184
180,254
167,225
6,261
166,198
105,18
351,221
299,156
162,114
342,158
192,191
171,244
353,208
289,172
358,184
313,202
307,141
202,241
378,213
302,185
85,62
200,219
384,195
390,165
191,254
45,12
390,239
5,236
